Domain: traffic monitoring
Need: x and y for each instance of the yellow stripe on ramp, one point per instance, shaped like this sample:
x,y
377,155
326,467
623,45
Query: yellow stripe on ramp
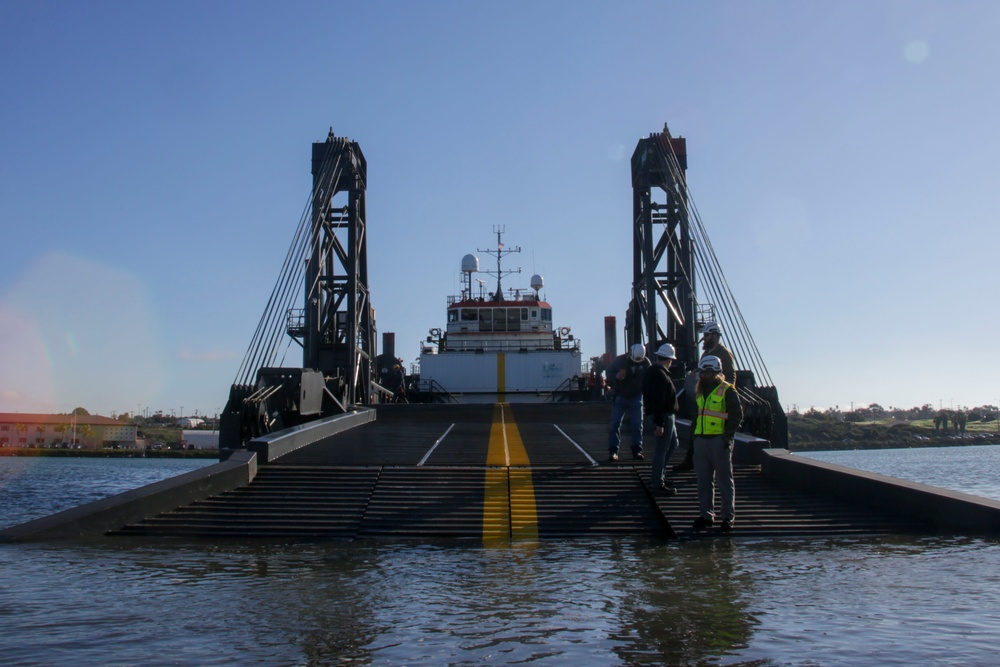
x,y
509,510
501,377
523,512
496,506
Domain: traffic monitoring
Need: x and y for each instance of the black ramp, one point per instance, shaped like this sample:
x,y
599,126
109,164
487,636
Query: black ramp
x,y
403,435
564,433
593,501
368,483
426,502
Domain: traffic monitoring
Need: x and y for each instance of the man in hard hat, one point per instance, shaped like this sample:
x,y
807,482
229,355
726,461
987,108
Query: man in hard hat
x,y
711,345
659,399
719,415
626,375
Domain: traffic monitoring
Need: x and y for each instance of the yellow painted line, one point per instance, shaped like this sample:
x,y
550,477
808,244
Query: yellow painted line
x,y
501,377
496,507
523,511
509,510
498,454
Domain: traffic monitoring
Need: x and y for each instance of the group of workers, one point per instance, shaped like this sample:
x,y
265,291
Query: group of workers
x,y
643,386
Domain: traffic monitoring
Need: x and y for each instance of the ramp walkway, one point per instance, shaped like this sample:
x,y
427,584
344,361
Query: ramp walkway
x,y
491,472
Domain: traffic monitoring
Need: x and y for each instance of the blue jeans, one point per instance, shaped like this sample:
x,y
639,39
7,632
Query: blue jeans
x,y
634,407
663,448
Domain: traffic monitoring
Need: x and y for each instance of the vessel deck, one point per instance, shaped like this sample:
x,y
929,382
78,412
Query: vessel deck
x,y
505,472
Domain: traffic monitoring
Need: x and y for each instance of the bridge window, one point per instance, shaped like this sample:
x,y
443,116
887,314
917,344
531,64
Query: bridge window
x,y
453,316
546,314
513,319
486,319
470,314
500,319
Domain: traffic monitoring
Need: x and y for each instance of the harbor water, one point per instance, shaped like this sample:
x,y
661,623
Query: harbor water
x,y
889,600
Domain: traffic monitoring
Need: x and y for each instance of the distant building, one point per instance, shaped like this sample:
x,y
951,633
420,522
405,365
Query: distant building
x,y
21,429
200,439
190,422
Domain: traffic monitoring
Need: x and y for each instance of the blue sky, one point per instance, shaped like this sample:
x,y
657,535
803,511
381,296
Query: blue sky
x,y
154,164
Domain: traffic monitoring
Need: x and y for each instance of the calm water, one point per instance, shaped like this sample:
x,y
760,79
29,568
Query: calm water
x,y
894,601
33,487
974,469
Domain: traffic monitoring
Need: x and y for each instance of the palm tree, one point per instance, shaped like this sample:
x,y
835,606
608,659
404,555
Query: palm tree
x,y
20,428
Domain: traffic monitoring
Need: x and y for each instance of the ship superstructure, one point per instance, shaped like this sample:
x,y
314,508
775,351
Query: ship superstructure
x,y
499,345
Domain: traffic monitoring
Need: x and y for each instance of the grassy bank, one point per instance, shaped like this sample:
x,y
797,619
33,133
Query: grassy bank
x,y
811,433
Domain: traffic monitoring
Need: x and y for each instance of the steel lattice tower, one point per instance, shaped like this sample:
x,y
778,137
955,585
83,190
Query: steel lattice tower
x,y
662,248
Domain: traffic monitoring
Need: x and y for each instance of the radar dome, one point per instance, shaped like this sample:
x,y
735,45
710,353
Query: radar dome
x,y
536,282
470,264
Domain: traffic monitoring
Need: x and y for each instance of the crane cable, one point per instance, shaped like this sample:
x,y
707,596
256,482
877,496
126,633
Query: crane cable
x,y
266,341
709,272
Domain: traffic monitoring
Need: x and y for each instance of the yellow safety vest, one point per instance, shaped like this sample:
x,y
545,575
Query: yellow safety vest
x,y
712,413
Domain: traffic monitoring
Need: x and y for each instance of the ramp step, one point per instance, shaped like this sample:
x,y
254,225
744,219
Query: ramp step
x,y
346,502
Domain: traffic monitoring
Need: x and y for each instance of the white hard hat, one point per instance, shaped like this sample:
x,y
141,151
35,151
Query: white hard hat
x,y
666,351
710,363
637,352
710,328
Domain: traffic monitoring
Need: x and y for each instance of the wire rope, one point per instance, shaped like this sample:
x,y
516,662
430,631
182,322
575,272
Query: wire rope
x,y
708,271
266,342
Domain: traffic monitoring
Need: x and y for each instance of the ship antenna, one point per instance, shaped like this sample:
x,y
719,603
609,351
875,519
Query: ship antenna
x,y
499,253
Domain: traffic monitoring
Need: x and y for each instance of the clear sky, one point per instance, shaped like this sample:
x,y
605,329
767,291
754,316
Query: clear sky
x,y
155,157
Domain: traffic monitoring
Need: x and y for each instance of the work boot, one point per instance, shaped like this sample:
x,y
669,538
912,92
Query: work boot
x,y
701,523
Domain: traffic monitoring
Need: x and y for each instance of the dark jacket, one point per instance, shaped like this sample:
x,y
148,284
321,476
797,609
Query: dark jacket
x,y
631,386
659,397
727,359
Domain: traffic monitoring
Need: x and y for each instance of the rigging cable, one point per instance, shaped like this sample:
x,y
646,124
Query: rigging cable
x,y
265,345
708,270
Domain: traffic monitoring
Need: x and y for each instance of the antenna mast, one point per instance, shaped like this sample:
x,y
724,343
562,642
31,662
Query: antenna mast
x,y
499,253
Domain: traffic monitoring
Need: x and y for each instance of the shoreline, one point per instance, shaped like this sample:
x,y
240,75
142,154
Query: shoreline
x,y
840,445
112,453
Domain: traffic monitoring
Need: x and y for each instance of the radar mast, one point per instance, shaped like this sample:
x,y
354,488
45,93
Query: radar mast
x,y
499,253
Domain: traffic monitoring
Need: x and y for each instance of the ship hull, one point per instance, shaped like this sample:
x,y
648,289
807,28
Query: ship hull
x,y
482,377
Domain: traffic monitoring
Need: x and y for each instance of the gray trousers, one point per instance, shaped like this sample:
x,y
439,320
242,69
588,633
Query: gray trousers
x,y
713,462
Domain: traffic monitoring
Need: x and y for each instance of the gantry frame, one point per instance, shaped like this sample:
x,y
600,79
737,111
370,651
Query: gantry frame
x,y
337,327
663,250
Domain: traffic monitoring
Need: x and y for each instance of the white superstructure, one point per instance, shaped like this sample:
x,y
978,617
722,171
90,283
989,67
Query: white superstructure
x,y
498,347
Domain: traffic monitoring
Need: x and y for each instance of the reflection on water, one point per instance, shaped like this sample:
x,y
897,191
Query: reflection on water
x,y
586,602
886,601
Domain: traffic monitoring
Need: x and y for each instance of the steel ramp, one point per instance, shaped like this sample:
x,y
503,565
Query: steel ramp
x,y
490,472
410,502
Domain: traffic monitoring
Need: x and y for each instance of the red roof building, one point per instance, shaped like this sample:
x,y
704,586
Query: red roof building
x,y
23,429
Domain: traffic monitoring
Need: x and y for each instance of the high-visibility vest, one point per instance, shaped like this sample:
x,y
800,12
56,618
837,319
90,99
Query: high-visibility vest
x,y
712,413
